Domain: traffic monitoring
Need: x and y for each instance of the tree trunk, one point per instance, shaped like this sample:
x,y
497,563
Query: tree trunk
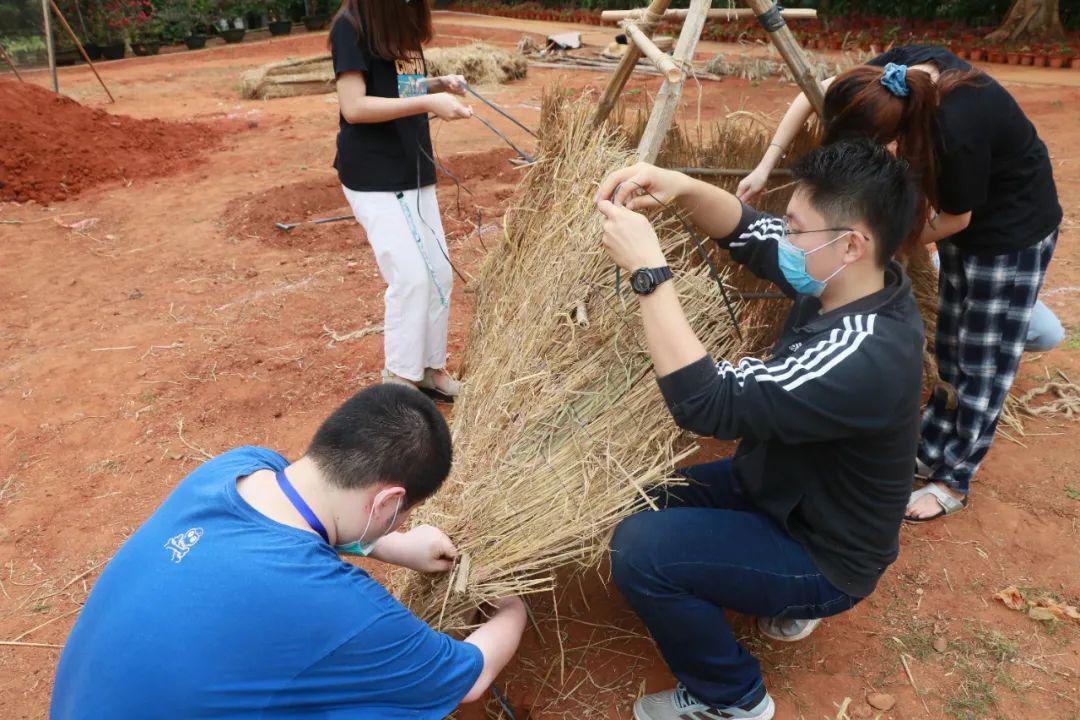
x,y
1034,20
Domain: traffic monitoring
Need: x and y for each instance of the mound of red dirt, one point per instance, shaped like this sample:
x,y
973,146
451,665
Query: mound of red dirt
x,y
52,148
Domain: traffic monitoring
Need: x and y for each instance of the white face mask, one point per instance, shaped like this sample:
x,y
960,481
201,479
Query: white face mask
x,y
363,549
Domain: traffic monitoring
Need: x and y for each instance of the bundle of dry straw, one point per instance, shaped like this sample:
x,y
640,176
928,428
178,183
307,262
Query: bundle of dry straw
x,y
480,64
560,431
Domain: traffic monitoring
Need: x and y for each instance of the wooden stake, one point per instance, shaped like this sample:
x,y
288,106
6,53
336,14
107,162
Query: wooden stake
x,y
667,100
626,64
14,69
793,55
658,57
82,50
727,14
49,45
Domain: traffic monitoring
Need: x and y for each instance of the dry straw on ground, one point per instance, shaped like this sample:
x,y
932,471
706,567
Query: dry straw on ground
x,y
480,64
561,430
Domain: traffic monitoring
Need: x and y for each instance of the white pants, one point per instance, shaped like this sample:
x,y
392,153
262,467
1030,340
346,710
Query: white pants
x,y
411,251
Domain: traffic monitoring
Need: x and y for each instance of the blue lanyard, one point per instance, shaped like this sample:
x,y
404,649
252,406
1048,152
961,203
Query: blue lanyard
x,y
301,507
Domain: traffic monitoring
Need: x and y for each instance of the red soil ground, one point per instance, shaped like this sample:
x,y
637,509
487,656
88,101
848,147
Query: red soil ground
x,y
152,319
53,148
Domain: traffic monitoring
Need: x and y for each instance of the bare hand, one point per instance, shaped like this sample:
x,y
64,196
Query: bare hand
x,y
641,187
629,238
426,548
448,107
752,185
455,84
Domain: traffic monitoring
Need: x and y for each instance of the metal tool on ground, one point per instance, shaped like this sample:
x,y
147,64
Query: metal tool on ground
x,y
289,226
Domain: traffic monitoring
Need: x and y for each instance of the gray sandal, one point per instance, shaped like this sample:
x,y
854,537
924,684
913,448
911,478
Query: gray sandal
x,y
948,504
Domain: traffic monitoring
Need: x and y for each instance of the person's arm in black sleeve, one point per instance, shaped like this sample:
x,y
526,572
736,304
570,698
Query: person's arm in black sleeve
x,y
753,244
829,389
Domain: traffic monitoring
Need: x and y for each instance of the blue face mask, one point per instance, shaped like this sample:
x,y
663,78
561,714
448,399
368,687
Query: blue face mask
x,y
363,549
793,264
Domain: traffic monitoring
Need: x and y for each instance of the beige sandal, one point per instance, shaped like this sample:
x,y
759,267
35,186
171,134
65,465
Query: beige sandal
x,y
443,394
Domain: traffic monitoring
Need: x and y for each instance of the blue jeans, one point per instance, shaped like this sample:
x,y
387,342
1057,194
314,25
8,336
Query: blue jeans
x,y
709,550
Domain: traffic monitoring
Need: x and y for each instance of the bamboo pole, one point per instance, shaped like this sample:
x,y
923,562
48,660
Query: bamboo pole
x,y
658,57
627,63
667,100
82,50
793,54
728,14
11,64
49,45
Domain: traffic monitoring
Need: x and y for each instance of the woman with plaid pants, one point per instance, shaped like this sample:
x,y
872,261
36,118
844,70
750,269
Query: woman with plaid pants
x,y
991,209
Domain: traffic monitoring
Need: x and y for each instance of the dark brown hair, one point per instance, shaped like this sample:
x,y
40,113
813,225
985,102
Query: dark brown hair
x,y
394,28
858,105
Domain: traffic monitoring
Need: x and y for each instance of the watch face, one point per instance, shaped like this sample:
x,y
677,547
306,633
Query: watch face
x,y
641,281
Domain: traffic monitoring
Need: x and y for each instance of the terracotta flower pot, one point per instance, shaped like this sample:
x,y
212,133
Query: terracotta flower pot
x,y
1040,60
962,53
1055,61
996,56
1027,58
1012,58
975,54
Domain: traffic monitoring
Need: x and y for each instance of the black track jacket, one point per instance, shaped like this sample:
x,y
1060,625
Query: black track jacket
x,y
829,424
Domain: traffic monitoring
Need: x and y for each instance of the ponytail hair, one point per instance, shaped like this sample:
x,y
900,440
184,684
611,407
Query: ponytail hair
x,y
857,104
395,29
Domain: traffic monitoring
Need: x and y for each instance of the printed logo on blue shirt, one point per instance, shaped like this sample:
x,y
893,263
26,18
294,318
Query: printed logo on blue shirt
x,y
411,76
179,545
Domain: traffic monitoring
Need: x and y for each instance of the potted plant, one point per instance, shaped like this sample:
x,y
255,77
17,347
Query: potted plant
x,y
995,55
280,22
230,19
318,15
977,51
1056,56
1027,57
111,17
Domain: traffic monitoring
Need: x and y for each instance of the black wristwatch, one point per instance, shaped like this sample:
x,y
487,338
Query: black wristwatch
x,y
645,280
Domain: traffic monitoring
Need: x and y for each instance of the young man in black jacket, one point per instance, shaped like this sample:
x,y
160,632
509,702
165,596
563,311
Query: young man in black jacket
x,y
803,520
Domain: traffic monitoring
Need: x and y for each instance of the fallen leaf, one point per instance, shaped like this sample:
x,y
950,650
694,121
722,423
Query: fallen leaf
x,y
941,644
1041,613
881,701
1012,598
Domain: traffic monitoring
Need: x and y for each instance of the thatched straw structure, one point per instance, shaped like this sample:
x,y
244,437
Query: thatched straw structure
x,y
480,64
561,430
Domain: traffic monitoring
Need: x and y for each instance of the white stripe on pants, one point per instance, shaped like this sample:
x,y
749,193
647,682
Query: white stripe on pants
x,y
418,275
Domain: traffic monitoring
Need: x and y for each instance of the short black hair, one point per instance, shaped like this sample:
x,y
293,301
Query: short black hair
x,y
857,180
385,433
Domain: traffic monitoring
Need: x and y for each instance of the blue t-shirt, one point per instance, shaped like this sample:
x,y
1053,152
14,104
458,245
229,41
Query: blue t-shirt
x,y
211,609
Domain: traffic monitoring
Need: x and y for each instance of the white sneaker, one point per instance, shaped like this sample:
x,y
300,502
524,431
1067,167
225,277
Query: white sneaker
x,y
786,630
679,704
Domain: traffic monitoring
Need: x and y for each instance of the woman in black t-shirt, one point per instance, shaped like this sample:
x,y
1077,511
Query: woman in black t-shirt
x,y
387,172
991,208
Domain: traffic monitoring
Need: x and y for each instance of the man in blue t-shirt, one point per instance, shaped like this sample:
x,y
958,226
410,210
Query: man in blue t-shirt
x,y
232,600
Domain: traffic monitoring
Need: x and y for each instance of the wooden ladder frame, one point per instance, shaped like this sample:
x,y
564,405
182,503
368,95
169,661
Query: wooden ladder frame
x,y
639,26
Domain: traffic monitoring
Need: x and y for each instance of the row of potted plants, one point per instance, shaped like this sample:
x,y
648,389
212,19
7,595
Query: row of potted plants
x,y
108,27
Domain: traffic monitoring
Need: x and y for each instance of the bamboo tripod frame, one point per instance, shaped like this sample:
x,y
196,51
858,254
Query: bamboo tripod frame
x,y
639,25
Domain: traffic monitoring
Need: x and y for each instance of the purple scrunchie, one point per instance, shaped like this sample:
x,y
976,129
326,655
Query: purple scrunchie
x,y
894,78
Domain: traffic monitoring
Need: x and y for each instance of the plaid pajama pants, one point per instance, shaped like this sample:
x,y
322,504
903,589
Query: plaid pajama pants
x,y
985,306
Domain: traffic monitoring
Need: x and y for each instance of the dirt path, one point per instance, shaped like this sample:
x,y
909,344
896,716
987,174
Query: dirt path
x,y
180,323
